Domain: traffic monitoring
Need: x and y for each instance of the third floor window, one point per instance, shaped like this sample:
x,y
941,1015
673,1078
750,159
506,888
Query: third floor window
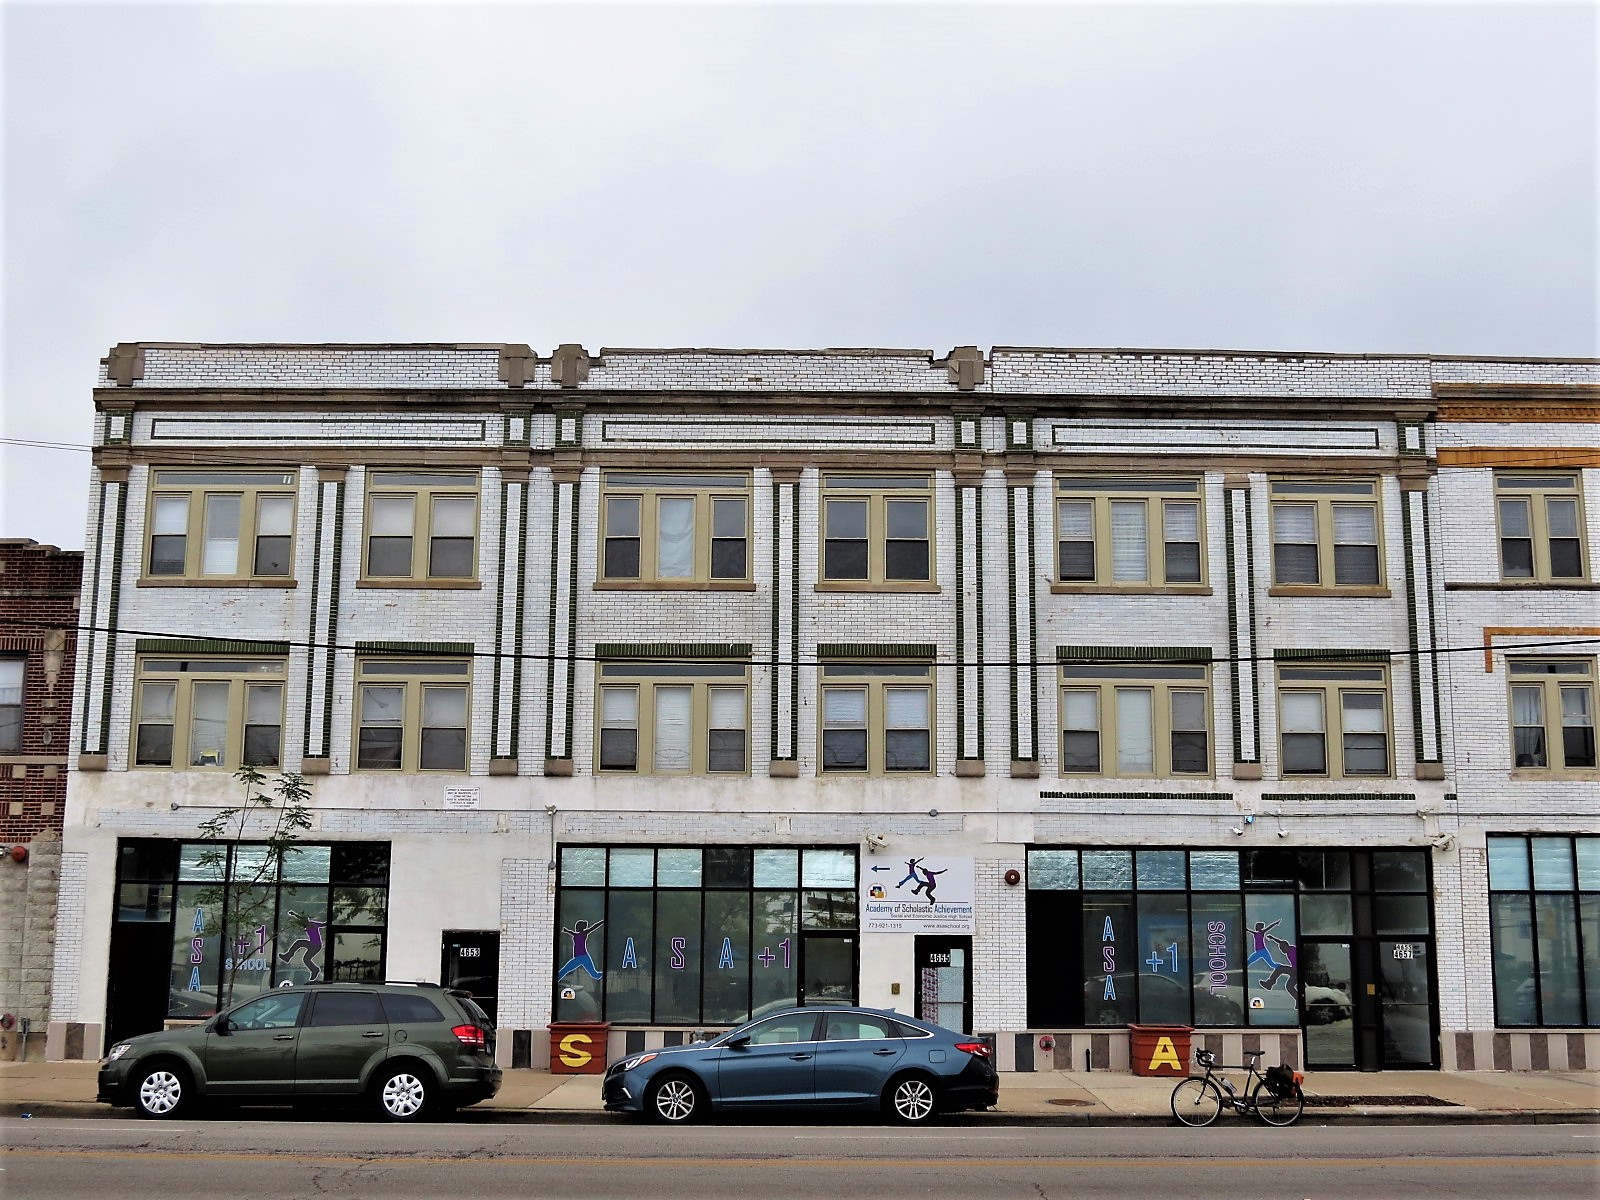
x,y
221,524
1540,519
675,530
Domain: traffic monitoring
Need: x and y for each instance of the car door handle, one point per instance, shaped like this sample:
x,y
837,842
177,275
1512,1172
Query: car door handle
x,y
799,1057
885,1050
283,1037
372,1033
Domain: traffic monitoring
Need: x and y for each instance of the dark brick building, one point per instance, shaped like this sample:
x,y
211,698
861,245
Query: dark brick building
x,y
39,588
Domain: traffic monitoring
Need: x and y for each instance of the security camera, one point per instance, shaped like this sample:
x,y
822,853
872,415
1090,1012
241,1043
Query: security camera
x,y
1443,842
876,842
1283,833
1238,830
550,810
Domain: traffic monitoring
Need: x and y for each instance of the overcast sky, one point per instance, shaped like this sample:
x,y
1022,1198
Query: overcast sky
x,y
1362,177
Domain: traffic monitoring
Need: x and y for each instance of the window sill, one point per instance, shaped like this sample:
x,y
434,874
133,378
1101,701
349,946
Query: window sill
x,y
1525,585
1556,774
1132,589
1287,778
1141,779
684,585
180,581
1332,593
460,585
867,585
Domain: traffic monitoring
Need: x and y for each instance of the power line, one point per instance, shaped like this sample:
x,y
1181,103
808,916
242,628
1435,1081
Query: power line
x,y
1356,654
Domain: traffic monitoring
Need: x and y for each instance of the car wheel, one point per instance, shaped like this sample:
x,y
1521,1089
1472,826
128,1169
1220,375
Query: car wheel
x,y
162,1090
911,1100
402,1094
673,1100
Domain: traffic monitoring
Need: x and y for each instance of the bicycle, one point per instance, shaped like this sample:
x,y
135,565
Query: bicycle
x,y
1274,1096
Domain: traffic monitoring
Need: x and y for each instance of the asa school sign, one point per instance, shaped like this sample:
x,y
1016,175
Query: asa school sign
x,y
918,894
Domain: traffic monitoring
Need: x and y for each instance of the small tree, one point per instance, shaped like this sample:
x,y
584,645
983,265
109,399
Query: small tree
x,y
273,817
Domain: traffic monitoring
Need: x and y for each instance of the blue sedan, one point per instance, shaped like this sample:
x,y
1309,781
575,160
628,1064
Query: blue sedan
x,y
859,1058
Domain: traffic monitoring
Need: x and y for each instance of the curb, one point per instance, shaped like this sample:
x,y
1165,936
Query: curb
x,y
1070,1120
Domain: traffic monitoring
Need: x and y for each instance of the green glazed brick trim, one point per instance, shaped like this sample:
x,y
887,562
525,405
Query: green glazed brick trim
x,y
563,415
572,612
961,643
1420,450
311,623
794,619
655,650
853,650
111,615
1187,654
335,575
1251,672
1331,656
1236,672
208,646
550,643
1412,601
1013,675
521,614
1033,609
979,560
451,648
89,634
499,623
1278,797
777,527
525,415
1433,629
1137,796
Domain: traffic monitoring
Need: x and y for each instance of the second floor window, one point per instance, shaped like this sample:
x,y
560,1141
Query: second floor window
x,y
673,718
1128,532
1325,534
1333,721
221,524
421,526
877,718
675,530
11,705
877,529
411,714
1552,713
1540,519
209,712
1135,719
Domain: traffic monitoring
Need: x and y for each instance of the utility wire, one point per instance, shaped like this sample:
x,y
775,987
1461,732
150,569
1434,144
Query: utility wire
x,y
1355,653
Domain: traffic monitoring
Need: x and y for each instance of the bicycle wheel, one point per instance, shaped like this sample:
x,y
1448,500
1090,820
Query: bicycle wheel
x,y
1279,1110
1196,1101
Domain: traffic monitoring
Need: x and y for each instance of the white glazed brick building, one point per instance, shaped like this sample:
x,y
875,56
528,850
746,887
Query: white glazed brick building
x,y
1252,692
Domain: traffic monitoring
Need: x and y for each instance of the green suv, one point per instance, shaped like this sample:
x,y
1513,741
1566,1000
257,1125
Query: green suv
x,y
405,1048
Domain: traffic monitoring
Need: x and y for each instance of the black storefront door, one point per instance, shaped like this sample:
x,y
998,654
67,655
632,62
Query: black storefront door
x,y
827,968
1369,997
472,963
137,989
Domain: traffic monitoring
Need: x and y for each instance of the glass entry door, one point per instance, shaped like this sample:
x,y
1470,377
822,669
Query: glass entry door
x,y
944,981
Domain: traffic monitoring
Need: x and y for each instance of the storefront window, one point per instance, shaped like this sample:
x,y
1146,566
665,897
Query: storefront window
x,y
1201,937
1544,924
244,921
691,936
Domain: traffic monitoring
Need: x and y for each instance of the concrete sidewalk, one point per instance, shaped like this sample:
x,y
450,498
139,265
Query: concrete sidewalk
x,y
67,1089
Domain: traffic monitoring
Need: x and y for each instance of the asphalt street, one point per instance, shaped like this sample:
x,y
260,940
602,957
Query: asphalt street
x,y
286,1158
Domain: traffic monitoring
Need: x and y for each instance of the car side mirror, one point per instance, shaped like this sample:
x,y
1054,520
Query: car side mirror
x,y
221,1027
738,1043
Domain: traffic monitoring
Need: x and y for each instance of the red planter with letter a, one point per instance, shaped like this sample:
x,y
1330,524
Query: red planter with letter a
x,y
1159,1049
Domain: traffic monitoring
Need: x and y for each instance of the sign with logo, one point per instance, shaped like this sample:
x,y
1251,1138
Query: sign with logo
x,y
917,893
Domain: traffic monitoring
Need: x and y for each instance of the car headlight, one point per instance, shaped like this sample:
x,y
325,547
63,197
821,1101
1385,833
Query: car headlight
x,y
118,1051
638,1060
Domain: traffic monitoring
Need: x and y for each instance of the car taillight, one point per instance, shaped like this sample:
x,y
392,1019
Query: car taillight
x,y
472,1036
977,1049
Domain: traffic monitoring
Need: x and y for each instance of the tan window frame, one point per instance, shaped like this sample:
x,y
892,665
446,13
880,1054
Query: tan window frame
x,y
220,525
1552,714
639,707
1130,533
876,719
1327,535
205,713
1335,722
1138,721
421,526
1540,522
685,531
413,715
877,531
